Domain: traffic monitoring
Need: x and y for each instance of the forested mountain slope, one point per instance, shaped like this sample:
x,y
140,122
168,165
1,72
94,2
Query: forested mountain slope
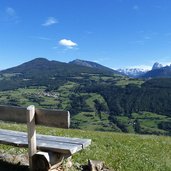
x,y
97,99
42,72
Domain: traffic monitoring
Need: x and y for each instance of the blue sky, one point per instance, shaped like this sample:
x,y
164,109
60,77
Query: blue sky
x,y
114,33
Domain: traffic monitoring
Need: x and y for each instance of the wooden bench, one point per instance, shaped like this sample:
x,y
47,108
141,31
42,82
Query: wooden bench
x,y
45,151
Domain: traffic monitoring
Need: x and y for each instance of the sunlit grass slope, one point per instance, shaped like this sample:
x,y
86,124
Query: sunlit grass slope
x,y
121,152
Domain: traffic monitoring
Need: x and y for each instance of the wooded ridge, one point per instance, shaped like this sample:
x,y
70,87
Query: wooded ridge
x,y
97,98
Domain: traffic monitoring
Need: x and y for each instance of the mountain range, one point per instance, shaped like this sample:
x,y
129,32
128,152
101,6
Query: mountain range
x,y
45,67
42,66
157,71
41,71
97,97
133,72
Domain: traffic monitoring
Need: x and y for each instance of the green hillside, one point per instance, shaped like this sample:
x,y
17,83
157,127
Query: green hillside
x,y
42,72
96,98
119,151
89,110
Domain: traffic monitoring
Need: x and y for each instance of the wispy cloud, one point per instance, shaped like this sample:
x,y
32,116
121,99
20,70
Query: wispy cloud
x,y
50,21
137,42
9,15
43,38
10,12
68,43
88,32
141,41
161,7
40,38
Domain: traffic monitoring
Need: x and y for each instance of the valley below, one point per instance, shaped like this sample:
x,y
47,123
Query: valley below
x,y
98,99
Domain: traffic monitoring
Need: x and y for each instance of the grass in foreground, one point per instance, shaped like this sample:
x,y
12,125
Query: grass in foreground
x,y
121,152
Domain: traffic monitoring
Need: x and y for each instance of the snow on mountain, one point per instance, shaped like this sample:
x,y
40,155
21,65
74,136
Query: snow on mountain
x,y
133,72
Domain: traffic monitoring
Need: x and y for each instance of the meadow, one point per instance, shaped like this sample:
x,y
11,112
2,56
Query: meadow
x,y
119,151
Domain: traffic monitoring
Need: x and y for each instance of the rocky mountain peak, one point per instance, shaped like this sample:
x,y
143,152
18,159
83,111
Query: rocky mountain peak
x,y
157,66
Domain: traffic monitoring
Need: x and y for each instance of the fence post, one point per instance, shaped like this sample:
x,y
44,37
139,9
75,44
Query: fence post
x,y
31,134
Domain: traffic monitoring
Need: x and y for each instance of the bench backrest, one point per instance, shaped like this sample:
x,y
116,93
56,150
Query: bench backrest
x,y
54,118
32,116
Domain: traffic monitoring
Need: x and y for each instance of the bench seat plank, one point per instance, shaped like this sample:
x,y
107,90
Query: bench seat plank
x,y
45,143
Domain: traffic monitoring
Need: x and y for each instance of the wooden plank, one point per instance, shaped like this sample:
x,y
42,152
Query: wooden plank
x,y
13,133
44,143
83,142
80,141
13,114
59,147
31,132
64,148
54,118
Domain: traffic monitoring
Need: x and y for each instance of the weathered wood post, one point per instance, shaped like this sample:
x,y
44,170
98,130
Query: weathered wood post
x,y
31,134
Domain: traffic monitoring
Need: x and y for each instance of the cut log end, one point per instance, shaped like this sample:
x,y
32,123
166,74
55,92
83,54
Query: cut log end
x,y
46,161
40,163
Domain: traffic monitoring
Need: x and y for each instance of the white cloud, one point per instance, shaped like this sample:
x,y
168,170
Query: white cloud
x,y
67,43
50,21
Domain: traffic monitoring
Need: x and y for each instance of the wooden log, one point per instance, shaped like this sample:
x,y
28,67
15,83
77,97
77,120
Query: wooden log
x,y
45,161
32,149
40,162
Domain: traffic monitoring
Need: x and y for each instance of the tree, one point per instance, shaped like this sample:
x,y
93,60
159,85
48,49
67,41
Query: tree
x,y
137,126
99,107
